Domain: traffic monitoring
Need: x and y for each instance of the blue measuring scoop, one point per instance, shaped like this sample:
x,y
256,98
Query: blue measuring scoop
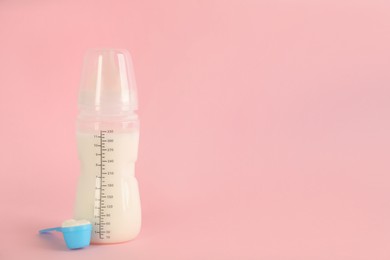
x,y
76,236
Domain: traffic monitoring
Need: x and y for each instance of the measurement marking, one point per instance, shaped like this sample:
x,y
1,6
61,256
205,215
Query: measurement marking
x,y
101,177
101,205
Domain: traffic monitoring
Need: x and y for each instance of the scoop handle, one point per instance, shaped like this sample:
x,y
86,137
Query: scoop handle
x,y
59,229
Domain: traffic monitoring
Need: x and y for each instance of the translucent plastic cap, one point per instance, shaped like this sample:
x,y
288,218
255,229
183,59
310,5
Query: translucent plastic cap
x,y
107,82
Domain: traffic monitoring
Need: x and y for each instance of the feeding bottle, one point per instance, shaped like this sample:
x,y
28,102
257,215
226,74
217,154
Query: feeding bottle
x,y
107,139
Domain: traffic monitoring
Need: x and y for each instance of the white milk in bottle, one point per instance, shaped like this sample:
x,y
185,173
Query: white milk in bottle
x,y
107,138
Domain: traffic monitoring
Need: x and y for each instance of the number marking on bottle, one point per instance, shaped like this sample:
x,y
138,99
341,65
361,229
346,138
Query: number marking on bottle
x,y
103,197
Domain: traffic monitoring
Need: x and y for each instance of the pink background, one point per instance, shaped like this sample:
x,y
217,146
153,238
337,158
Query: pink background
x,y
265,126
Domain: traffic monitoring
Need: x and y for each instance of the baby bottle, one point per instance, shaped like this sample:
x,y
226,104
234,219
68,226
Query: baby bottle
x,y
107,139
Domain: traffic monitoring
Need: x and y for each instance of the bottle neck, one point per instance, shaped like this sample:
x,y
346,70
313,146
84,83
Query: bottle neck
x,y
107,115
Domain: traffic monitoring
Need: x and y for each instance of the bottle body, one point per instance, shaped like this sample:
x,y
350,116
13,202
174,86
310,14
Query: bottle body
x,y
107,192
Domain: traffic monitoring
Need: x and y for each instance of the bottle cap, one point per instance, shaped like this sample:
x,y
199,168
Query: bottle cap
x,y
107,82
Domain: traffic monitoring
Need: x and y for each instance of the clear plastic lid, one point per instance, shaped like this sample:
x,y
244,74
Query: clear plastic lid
x,y
107,82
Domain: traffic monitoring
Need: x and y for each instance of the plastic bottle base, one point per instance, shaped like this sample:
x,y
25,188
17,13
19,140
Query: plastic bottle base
x,y
110,243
